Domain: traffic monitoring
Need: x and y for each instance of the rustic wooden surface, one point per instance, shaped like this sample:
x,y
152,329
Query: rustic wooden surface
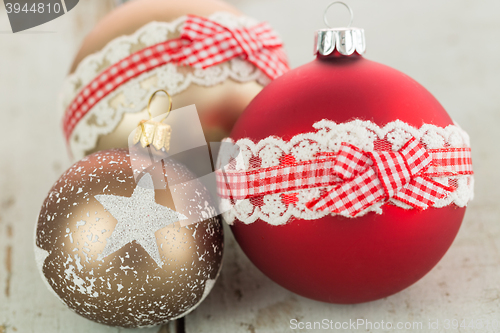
x,y
449,46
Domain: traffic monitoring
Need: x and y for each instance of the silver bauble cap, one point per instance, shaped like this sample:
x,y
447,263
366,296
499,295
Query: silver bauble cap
x,y
345,40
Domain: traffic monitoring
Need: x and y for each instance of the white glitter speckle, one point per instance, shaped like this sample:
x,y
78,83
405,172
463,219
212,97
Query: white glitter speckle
x,y
80,223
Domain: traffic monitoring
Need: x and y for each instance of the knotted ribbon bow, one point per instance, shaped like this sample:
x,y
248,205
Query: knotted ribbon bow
x,y
370,177
212,43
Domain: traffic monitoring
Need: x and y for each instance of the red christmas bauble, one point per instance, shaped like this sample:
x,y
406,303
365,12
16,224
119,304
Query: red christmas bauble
x,y
336,259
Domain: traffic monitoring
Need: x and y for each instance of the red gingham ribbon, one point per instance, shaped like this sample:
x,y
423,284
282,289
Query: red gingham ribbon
x,y
203,43
362,178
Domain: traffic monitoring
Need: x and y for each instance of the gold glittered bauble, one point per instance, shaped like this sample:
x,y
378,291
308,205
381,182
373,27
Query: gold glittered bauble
x,y
220,92
119,252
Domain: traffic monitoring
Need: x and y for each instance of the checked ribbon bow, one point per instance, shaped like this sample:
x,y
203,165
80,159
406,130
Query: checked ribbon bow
x,y
370,177
211,43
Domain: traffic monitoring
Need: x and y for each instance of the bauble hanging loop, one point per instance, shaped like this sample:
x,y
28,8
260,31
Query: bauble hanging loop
x,y
169,102
340,3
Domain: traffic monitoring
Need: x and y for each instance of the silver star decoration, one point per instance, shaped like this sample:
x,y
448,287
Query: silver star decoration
x,y
139,217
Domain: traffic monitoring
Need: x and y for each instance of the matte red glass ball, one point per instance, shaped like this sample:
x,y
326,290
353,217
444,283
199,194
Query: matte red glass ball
x,y
336,259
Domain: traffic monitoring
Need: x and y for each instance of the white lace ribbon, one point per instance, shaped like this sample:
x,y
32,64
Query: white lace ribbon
x,y
329,138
